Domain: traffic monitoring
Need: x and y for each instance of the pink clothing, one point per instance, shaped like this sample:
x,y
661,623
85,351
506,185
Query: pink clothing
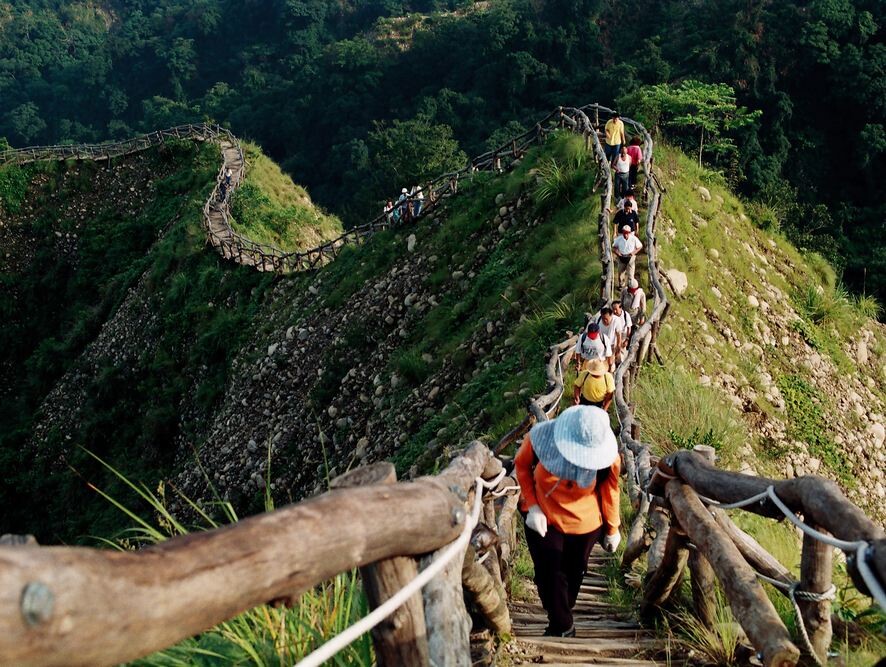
x,y
636,154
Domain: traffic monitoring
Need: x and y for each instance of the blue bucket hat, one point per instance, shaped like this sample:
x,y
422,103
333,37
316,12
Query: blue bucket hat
x,y
575,445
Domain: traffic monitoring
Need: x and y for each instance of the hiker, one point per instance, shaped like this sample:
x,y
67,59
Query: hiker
x,y
633,300
594,385
629,197
622,166
610,327
593,345
418,202
623,325
626,247
403,205
228,176
222,191
615,137
568,471
627,217
636,155
389,211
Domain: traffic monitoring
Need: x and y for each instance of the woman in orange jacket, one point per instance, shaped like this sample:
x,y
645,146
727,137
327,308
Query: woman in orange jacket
x,y
568,473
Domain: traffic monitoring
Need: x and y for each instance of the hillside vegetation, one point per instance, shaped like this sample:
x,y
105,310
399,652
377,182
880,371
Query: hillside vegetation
x,y
119,326
322,85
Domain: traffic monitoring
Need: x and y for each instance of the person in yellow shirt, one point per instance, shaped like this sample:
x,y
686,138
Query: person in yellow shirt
x,y
615,137
594,385
568,473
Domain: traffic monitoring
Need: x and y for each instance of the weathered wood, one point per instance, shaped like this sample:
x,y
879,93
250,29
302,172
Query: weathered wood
x,y
638,538
486,593
756,556
94,598
401,639
659,525
746,596
819,500
701,573
668,575
506,529
816,566
447,619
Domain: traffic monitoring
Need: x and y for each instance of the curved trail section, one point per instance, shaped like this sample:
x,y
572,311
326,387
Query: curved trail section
x,y
216,211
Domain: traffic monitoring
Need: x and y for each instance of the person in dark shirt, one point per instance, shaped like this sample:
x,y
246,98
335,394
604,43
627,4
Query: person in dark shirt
x,y
627,216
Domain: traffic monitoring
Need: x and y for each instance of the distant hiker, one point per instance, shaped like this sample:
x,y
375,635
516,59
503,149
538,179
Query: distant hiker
x,y
611,328
633,299
418,202
389,211
626,247
623,325
622,172
593,345
228,176
629,197
615,137
594,385
403,205
636,154
627,217
222,191
568,472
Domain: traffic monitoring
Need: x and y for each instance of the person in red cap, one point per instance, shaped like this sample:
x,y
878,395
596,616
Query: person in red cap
x,y
593,344
568,472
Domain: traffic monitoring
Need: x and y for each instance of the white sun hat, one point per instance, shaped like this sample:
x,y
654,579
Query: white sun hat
x,y
578,442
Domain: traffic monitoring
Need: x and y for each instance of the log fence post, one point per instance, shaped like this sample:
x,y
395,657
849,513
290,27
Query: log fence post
x,y
816,566
401,639
750,605
701,573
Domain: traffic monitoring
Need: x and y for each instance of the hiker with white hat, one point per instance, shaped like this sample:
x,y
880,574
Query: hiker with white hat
x,y
594,385
633,300
626,247
403,205
568,472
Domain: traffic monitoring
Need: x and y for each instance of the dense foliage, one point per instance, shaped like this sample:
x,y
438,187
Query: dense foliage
x,y
320,84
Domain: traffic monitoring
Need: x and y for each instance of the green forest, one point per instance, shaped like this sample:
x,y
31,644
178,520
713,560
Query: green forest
x,y
356,99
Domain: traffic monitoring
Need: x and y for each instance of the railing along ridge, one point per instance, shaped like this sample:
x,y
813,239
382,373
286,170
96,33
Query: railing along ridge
x,y
263,257
680,500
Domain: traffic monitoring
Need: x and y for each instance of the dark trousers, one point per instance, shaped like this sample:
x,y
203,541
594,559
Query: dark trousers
x,y
633,174
560,564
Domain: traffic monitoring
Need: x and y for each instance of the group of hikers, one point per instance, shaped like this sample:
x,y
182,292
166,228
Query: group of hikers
x,y
568,468
408,206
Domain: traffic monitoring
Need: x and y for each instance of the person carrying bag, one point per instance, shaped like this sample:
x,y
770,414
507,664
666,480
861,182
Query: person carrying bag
x,y
568,470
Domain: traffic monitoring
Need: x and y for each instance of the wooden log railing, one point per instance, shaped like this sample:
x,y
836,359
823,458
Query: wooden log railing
x,y
82,606
232,245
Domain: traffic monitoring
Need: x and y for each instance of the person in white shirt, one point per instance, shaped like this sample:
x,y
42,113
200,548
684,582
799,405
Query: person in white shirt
x,y
623,326
633,299
593,344
418,201
622,165
626,247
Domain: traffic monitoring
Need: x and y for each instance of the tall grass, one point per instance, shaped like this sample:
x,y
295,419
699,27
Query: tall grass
x,y
265,636
717,645
677,412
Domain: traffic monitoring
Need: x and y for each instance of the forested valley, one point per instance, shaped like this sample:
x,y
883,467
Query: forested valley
x,y
356,99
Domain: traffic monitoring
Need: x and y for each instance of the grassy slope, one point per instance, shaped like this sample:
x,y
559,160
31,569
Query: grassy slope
x,y
741,419
269,208
137,414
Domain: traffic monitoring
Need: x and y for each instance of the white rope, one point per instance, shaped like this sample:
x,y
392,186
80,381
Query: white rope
x,y
859,548
503,492
338,643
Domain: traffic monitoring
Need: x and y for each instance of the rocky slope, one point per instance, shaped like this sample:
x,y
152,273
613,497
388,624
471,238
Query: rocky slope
x,y
798,362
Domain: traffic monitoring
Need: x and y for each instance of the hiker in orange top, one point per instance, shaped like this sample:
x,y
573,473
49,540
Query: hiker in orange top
x,y
568,472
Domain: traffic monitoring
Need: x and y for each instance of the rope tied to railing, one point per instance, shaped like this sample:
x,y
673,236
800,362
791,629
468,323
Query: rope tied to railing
x,y
338,643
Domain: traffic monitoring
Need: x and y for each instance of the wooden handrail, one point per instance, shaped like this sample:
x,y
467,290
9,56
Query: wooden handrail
x,y
81,606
